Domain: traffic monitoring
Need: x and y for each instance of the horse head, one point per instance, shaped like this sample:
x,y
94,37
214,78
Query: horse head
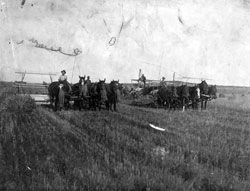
x,y
114,84
120,86
203,87
101,84
82,80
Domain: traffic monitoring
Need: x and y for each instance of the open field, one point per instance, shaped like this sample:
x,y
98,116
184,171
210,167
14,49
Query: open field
x,y
100,150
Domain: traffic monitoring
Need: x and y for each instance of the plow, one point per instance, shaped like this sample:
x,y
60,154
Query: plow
x,y
152,99
37,91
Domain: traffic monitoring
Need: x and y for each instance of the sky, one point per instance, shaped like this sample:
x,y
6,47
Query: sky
x,y
113,39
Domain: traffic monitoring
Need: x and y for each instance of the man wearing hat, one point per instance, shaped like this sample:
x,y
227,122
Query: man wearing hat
x,y
63,79
163,83
88,81
142,79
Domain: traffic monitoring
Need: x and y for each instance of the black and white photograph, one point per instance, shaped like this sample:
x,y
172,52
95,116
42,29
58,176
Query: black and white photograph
x,y
124,95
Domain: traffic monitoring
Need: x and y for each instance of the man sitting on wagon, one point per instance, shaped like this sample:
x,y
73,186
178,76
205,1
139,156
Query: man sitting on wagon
x,y
163,82
63,77
63,80
143,80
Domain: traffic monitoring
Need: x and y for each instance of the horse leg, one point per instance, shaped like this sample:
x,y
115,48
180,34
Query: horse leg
x,y
61,98
111,105
67,104
165,105
56,103
115,106
194,104
95,103
89,103
197,104
115,101
51,99
203,104
107,105
174,104
85,103
79,103
183,105
169,104
99,105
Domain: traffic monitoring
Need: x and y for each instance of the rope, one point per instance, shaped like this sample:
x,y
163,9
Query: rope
x,y
73,70
78,69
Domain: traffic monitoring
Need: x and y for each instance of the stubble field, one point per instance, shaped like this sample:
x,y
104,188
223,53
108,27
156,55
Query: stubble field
x,y
100,150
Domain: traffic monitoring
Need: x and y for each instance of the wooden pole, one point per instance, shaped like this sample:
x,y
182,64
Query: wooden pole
x,y
139,76
38,73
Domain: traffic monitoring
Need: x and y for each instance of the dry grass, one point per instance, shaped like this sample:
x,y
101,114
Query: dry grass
x,y
72,150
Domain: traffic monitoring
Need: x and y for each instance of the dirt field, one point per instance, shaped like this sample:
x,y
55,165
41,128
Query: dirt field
x,y
100,150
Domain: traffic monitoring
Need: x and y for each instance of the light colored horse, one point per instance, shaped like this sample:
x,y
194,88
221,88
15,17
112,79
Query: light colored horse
x,y
84,90
61,96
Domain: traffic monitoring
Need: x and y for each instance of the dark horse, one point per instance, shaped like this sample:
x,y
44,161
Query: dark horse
x,y
93,95
112,93
183,93
204,94
101,94
107,94
59,94
167,97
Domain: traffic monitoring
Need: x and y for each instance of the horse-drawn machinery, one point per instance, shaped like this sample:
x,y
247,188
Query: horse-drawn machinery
x,y
64,95
37,91
174,95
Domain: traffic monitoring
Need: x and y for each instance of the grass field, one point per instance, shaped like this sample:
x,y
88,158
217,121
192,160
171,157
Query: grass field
x,y
100,150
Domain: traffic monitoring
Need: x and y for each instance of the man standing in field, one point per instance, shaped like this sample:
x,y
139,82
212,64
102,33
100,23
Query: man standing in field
x,y
88,81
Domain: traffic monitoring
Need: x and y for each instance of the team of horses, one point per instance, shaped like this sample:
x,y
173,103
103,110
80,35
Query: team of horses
x,y
98,94
183,96
91,95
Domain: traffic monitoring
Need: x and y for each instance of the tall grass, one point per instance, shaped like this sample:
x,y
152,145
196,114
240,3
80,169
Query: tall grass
x,y
72,150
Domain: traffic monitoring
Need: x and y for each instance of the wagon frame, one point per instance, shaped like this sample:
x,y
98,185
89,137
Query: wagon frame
x,y
37,91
